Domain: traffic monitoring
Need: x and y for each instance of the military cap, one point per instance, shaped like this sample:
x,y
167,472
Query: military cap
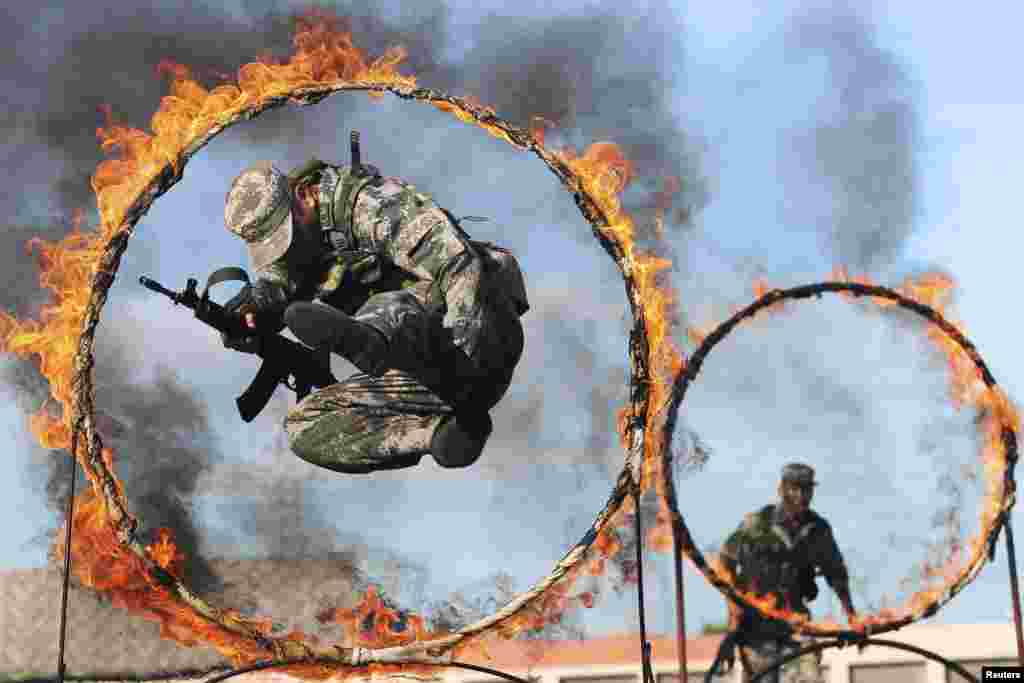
x,y
798,473
258,209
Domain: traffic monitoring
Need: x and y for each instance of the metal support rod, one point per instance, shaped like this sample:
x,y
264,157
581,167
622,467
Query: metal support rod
x,y
896,645
677,556
645,647
1011,560
273,664
67,565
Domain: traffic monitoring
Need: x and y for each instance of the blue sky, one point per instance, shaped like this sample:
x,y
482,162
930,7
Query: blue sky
x,y
863,399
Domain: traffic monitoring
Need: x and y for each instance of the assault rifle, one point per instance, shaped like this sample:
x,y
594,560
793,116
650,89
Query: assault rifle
x,y
281,356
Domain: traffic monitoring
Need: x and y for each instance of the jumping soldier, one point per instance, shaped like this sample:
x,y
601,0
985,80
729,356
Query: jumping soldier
x,y
778,550
372,269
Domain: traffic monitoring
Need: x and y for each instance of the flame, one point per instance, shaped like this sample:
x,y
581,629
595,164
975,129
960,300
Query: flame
x,y
768,603
760,287
66,268
373,624
606,545
952,564
100,562
539,614
324,54
165,553
605,173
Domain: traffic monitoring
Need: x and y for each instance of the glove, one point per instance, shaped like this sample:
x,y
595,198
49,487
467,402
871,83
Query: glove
x,y
242,344
727,656
808,586
265,300
255,302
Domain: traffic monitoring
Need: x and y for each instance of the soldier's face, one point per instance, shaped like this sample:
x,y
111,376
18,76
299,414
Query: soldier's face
x,y
796,498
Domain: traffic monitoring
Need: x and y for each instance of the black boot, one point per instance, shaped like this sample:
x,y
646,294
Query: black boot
x,y
320,326
459,440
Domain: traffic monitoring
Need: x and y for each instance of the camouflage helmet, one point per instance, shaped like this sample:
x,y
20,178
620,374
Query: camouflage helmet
x,y
799,474
258,209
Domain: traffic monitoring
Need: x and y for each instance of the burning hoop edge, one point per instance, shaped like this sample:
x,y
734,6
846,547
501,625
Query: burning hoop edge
x,y
109,488
685,377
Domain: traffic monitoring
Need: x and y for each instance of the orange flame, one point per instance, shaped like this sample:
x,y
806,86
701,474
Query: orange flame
x,y
605,173
372,624
102,563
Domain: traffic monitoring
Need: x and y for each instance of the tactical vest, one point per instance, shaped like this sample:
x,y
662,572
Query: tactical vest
x,y
769,564
361,273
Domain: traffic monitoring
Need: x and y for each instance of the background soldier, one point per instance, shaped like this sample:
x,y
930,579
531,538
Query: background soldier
x,y
372,269
778,550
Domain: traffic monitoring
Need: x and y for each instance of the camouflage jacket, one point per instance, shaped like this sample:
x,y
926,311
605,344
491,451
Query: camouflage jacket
x,y
774,559
381,234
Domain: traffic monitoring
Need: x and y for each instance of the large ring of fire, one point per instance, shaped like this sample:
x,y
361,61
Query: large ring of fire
x,y
108,553
1000,423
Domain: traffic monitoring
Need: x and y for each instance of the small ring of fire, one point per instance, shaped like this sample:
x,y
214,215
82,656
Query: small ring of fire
x,y
999,419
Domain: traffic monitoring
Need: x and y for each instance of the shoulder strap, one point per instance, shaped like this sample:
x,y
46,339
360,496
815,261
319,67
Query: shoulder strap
x,y
311,166
227,274
338,190
347,192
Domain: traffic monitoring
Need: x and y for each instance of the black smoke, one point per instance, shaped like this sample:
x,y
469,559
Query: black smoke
x,y
854,173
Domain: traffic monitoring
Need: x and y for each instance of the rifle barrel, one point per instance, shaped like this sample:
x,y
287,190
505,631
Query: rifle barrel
x,y
155,286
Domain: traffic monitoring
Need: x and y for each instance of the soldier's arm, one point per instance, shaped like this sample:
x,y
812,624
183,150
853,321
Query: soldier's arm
x,y
833,568
261,305
415,234
728,558
461,284
268,296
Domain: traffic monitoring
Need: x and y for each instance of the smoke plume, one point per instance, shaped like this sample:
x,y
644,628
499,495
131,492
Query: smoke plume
x,y
855,169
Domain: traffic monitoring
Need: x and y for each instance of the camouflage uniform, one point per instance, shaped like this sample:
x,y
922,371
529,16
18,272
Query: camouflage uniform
x,y
392,259
775,559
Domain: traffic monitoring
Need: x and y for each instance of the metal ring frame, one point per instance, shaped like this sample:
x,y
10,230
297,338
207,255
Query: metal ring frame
x,y
844,642
119,229
774,297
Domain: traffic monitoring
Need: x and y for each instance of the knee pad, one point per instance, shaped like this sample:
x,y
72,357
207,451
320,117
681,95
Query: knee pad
x,y
310,322
459,440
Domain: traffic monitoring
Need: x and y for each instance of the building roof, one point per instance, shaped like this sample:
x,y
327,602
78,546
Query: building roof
x,y
102,639
614,650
